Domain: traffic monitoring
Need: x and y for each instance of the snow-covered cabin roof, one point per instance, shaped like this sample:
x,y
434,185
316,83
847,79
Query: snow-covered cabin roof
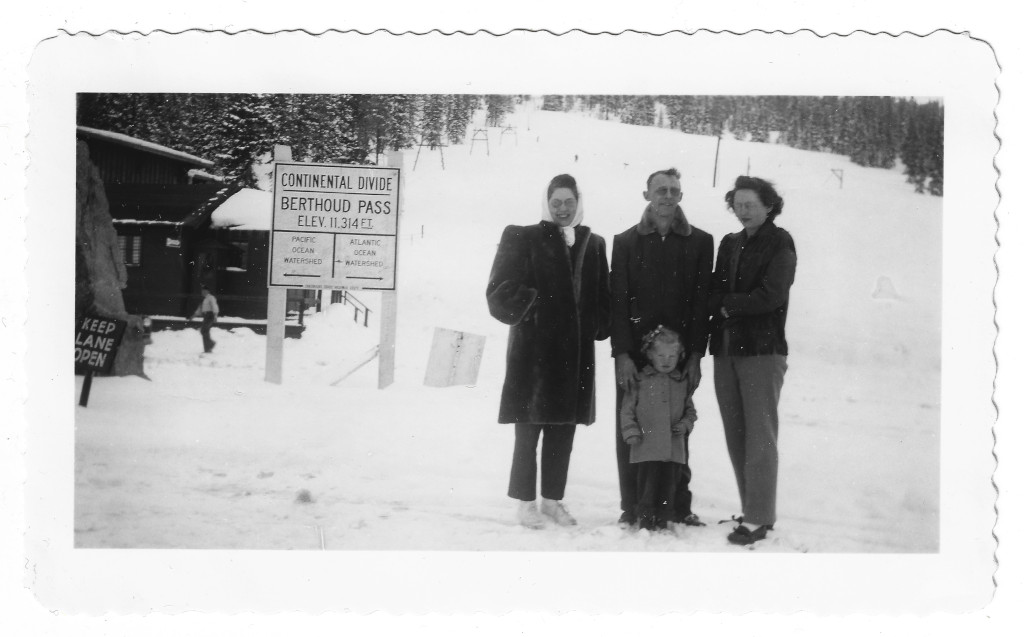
x,y
187,204
247,209
149,147
195,174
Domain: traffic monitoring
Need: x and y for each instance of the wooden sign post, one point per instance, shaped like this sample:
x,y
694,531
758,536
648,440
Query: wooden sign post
x,y
389,302
333,226
714,176
277,308
96,346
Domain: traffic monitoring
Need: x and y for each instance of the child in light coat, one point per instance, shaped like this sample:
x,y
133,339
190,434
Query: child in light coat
x,y
657,418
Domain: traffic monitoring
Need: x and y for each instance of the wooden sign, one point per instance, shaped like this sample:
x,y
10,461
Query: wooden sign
x,y
454,358
97,341
96,344
334,226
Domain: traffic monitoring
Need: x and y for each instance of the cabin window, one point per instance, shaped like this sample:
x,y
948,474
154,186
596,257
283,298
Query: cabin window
x,y
236,260
131,249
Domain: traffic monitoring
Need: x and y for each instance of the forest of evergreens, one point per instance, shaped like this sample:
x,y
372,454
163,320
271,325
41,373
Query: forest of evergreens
x,y
235,130
871,131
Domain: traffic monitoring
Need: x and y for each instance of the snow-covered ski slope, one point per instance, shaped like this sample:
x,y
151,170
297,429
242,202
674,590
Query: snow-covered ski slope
x,y
208,455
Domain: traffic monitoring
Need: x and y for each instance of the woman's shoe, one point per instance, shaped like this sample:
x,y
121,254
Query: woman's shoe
x,y
528,515
738,519
743,535
554,510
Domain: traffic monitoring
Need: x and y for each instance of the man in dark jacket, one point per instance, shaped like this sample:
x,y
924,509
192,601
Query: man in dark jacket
x,y
660,275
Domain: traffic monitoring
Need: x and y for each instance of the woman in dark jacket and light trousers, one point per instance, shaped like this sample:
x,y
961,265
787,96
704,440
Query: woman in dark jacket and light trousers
x,y
549,283
749,300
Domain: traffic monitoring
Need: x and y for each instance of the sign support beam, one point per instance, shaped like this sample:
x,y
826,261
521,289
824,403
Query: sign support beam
x,y
277,308
389,300
86,388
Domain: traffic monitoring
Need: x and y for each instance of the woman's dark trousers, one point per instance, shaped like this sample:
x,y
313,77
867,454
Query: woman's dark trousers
x,y
554,461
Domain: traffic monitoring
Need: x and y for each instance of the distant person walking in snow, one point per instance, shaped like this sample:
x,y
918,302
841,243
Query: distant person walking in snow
x,y
208,310
661,275
657,418
549,283
749,301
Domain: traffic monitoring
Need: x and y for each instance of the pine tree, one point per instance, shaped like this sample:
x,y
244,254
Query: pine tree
x,y
936,139
639,110
460,114
322,128
740,117
718,113
922,151
384,122
433,123
498,106
760,122
245,137
405,113
552,103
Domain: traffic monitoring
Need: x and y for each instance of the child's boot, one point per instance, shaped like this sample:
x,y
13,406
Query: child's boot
x,y
645,518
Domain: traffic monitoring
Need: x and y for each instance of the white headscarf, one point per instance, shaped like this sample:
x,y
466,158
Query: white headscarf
x,y
569,231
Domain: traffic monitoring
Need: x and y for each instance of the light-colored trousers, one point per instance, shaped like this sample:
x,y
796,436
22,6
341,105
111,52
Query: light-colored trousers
x,y
748,390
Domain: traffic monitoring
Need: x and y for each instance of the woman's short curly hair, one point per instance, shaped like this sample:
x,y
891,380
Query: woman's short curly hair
x,y
765,190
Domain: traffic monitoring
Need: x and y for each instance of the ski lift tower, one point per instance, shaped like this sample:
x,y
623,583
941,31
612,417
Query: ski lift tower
x,y
431,144
481,135
508,129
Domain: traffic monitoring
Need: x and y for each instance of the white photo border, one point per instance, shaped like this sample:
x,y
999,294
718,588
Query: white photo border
x,y
955,67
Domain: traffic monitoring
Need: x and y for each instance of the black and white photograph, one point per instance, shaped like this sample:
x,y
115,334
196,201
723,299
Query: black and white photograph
x,y
548,316
187,445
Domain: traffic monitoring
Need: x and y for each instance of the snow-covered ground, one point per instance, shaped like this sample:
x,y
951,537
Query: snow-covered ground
x,y
208,455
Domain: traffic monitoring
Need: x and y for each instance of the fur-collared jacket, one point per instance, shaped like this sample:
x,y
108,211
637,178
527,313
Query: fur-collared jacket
x,y
660,281
556,301
752,279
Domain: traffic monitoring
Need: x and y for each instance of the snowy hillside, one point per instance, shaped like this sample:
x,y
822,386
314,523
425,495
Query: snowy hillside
x,y
208,455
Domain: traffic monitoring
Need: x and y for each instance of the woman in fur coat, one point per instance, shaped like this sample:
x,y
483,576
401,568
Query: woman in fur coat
x,y
549,283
